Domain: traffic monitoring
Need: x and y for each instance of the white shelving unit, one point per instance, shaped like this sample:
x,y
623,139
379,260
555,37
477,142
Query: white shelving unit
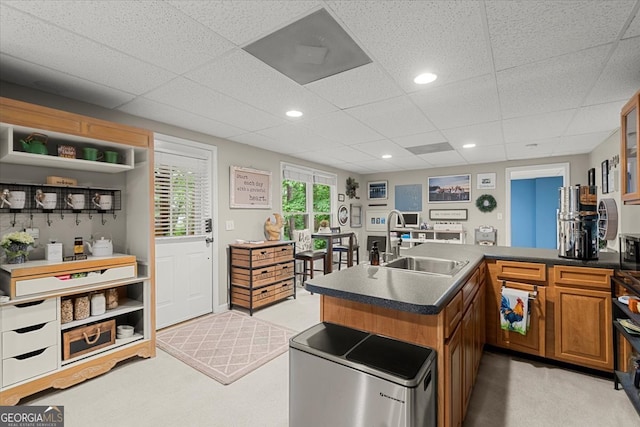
x,y
438,236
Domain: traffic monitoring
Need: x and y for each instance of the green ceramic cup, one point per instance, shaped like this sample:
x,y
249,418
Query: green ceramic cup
x,y
91,154
111,156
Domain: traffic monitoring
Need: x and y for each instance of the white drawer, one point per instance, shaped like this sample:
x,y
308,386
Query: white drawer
x,y
52,283
28,314
21,341
15,370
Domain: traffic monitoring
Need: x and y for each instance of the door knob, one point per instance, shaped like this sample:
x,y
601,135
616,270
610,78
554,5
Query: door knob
x,y
208,240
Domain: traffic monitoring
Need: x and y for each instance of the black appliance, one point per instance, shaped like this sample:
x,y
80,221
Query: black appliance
x,y
630,252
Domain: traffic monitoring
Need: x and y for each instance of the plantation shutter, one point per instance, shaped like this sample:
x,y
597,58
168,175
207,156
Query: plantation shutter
x,y
181,195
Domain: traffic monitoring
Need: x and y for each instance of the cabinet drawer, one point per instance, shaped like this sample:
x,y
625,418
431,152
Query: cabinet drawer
x,y
283,289
255,277
54,283
522,271
452,314
282,253
283,271
251,258
28,314
259,297
16,369
25,340
583,276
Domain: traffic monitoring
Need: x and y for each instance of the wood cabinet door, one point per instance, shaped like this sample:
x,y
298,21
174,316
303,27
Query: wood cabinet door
x,y
453,379
479,315
534,341
468,355
583,327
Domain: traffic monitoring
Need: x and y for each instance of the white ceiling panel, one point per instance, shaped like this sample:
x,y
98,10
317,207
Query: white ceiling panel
x,y
345,154
246,20
152,110
27,74
377,165
380,148
535,127
493,153
551,85
579,144
522,32
393,117
342,128
245,78
420,139
634,28
460,104
298,137
483,134
409,37
358,168
621,76
524,150
409,162
358,86
596,118
146,30
445,158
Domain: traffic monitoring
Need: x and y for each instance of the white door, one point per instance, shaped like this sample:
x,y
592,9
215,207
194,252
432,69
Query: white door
x,y
186,256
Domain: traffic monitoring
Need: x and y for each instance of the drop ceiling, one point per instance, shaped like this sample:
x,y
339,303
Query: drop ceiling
x,y
520,79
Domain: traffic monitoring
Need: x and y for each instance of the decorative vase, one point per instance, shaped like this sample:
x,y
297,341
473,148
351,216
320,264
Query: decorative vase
x,y
16,253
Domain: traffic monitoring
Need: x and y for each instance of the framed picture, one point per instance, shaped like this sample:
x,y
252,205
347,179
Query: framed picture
x,y
448,214
249,188
341,197
343,215
376,220
356,216
449,189
377,190
605,176
486,181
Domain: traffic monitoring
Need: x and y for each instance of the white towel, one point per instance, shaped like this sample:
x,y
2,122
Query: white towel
x,y
514,310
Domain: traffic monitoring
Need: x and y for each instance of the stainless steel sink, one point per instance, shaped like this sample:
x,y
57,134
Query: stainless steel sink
x,y
436,266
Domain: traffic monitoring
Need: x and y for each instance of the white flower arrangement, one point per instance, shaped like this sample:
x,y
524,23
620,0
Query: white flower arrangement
x,y
16,237
16,246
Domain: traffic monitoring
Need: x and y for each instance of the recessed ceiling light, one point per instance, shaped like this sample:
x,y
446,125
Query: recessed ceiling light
x,y
425,78
469,145
294,113
386,156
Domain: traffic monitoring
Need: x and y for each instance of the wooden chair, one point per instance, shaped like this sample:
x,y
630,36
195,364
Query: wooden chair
x,y
341,248
305,253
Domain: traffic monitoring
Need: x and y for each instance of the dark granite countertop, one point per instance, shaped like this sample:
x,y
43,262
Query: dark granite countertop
x,y
427,294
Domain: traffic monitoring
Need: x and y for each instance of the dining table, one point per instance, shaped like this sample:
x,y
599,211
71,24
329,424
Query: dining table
x,y
331,238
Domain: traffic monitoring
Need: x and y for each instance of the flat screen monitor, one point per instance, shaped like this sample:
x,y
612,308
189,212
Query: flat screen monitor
x,y
411,220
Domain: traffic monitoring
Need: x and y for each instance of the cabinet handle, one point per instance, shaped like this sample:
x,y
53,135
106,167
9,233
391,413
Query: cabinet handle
x,y
93,341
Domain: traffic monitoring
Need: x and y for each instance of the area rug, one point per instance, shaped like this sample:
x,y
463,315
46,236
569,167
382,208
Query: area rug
x,y
225,346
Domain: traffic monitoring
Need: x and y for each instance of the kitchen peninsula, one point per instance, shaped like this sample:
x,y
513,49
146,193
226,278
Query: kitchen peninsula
x,y
457,315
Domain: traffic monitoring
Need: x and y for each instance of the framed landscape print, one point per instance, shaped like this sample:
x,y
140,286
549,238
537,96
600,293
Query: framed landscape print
x,y
449,189
377,190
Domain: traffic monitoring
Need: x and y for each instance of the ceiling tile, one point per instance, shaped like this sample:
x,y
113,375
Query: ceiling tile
x,y
620,78
298,137
461,103
393,117
378,148
359,168
522,32
409,162
445,158
146,30
485,154
521,150
538,126
483,134
342,128
419,139
409,37
357,86
247,79
596,118
634,28
579,144
244,21
377,165
42,78
167,114
556,84
190,96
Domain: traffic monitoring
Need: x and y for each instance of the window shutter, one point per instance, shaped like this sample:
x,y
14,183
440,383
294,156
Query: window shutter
x,y
181,195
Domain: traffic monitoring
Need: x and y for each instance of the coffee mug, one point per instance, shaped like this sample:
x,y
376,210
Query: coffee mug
x,y
46,200
91,153
17,199
111,156
75,201
104,202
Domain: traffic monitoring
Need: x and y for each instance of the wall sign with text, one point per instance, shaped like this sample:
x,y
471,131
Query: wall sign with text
x,y
249,188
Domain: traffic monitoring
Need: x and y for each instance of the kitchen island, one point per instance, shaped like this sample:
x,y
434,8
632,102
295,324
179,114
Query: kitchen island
x,y
448,313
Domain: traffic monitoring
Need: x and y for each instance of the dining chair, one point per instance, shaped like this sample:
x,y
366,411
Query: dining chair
x,y
341,248
306,254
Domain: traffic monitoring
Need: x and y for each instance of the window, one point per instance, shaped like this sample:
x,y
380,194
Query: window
x,y
181,199
306,198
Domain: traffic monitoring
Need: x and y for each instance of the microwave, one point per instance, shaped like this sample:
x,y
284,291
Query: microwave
x,y
630,251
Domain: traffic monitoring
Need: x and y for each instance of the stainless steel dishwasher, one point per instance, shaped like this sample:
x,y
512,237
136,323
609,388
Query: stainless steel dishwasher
x,y
343,377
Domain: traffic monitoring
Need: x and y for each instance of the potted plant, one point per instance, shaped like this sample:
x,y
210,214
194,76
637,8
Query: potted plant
x,y
16,245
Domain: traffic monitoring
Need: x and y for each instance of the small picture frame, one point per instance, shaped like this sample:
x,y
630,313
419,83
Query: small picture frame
x,y
605,176
486,181
377,190
343,215
341,197
356,216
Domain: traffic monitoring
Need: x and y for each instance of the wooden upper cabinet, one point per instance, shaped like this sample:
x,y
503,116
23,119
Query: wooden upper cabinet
x,y
629,159
48,119
526,271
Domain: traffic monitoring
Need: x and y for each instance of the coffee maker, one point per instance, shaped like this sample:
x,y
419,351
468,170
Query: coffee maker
x,y
578,222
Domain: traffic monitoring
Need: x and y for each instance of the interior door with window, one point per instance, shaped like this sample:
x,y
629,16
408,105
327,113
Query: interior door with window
x,y
186,257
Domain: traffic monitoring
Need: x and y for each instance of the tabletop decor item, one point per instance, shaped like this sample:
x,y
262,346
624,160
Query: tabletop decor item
x,y
486,203
16,246
272,229
323,227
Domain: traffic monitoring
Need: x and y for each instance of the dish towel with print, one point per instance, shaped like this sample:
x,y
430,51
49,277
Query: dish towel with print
x,y
514,310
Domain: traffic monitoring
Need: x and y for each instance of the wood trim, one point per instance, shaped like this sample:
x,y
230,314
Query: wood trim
x,y
152,247
583,276
634,102
33,272
517,270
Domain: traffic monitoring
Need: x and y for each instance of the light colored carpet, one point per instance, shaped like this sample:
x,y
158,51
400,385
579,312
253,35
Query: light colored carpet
x,y
225,346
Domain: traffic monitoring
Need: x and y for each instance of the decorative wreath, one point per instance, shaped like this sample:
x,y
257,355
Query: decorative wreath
x,y
486,203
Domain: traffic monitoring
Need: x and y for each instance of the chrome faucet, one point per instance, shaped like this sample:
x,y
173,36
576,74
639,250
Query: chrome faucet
x,y
393,252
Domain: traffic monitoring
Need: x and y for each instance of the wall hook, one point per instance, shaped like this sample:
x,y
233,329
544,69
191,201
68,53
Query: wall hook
x,y
114,215
77,219
49,220
13,223
104,221
90,216
61,215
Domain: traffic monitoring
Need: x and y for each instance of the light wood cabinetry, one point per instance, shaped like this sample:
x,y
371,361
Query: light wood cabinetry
x,y
454,359
261,274
629,159
32,328
582,317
